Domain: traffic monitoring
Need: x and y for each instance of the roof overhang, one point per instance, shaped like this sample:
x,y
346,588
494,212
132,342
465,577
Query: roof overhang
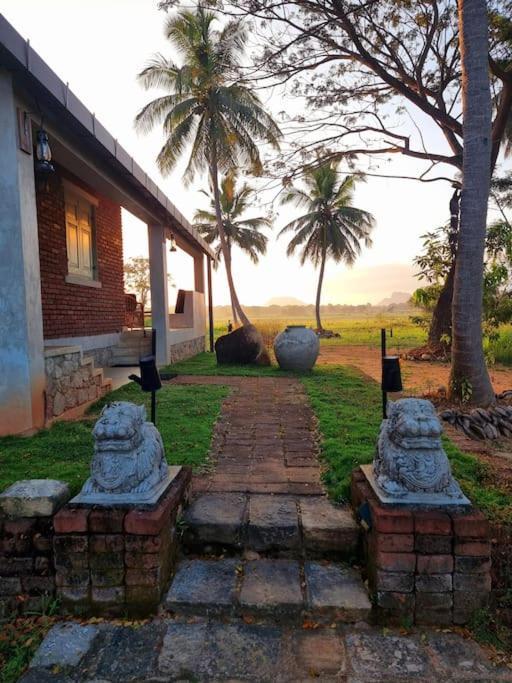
x,y
78,137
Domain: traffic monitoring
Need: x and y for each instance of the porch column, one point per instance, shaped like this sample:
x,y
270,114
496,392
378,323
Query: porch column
x,y
199,272
159,292
22,374
210,303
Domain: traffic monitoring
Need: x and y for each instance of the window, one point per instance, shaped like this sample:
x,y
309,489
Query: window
x,y
80,233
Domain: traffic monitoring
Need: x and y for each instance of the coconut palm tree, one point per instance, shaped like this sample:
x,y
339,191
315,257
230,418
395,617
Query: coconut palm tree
x,y
207,107
331,226
469,376
241,232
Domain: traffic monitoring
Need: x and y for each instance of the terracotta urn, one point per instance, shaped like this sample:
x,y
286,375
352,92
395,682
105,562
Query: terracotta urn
x,y
296,348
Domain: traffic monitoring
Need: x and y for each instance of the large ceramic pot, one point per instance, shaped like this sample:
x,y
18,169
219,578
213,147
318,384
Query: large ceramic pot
x,y
296,348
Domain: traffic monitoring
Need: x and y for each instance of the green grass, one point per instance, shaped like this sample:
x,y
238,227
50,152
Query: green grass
x,y
185,418
348,407
352,331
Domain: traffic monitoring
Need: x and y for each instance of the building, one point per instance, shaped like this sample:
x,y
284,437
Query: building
x,y
62,299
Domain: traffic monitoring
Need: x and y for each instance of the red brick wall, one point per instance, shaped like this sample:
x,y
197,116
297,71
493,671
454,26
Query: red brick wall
x,y
71,310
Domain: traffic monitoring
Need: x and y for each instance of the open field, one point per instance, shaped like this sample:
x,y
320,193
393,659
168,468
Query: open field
x,y
365,331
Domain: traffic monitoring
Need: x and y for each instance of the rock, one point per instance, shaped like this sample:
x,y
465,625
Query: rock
x,y
243,346
426,356
128,465
34,498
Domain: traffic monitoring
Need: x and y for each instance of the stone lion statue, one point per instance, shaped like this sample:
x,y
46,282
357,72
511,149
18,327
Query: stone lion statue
x,y
410,456
128,452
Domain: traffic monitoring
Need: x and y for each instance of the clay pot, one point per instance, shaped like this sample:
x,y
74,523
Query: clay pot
x,y
296,348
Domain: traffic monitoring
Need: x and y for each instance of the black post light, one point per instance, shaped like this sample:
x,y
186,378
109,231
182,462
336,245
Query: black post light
x,y
391,375
149,380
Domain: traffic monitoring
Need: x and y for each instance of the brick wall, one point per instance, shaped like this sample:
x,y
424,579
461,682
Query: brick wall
x,y
71,310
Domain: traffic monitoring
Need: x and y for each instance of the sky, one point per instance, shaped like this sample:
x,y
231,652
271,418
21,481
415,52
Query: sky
x,y
99,46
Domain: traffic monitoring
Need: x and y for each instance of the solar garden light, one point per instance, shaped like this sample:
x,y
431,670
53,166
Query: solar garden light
x,y
391,375
149,381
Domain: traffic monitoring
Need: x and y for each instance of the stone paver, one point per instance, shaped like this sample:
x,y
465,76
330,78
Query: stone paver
x,y
265,440
327,528
203,586
216,518
336,590
273,523
397,657
272,587
65,645
202,650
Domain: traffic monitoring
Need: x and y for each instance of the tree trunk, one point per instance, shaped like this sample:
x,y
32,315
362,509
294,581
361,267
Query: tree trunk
x,y
469,377
319,290
214,175
441,325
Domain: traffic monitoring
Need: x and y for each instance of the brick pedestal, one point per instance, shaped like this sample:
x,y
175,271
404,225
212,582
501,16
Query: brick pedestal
x,y
424,566
27,581
113,561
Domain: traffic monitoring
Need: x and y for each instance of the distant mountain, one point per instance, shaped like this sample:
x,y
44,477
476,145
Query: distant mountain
x,y
395,298
284,301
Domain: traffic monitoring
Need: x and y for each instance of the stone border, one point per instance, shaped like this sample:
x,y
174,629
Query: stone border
x,y
423,566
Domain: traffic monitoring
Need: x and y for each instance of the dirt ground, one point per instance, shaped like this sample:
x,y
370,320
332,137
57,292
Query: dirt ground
x,y
423,377
418,377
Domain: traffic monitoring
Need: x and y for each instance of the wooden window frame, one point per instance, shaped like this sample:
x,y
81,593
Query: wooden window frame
x,y
82,200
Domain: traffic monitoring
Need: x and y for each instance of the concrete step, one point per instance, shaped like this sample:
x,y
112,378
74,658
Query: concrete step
x,y
307,526
126,359
276,589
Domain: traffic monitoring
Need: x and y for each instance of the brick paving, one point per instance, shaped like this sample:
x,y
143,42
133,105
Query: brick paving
x,y
265,440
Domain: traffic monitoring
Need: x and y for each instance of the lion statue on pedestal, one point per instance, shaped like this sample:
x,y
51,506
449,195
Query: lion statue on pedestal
x,y
410,457
128,453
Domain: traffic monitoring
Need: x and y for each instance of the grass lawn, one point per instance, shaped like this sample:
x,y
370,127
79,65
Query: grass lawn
x,y
348,407
185,418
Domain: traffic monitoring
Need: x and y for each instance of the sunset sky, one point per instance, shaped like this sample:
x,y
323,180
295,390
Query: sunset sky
x,y
100,45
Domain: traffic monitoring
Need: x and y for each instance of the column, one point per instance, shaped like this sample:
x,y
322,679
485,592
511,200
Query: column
x,y
159,292
22,374
199,272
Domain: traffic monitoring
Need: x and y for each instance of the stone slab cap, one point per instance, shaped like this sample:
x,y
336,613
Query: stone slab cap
x,y
416,500
145,500
34,498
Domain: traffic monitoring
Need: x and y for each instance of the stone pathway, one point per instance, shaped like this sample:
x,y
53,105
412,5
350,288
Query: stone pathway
x,y
200,650
265,440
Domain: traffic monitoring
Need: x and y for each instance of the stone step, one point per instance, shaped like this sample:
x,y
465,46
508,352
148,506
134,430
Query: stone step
x,y
268,589
293,526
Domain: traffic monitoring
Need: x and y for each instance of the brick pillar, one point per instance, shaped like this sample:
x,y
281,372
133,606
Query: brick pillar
x,y
117,561
424,566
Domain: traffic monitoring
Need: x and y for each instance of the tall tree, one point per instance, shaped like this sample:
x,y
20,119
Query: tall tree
x,y
330,227
469,377
356,62
245,233
207,106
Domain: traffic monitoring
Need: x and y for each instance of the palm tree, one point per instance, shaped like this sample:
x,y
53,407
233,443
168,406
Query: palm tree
x,y
207,106
242,232
330,227
469,377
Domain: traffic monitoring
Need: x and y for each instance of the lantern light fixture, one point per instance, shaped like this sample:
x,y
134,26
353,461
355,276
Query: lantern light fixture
x,y
43,154
173,244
